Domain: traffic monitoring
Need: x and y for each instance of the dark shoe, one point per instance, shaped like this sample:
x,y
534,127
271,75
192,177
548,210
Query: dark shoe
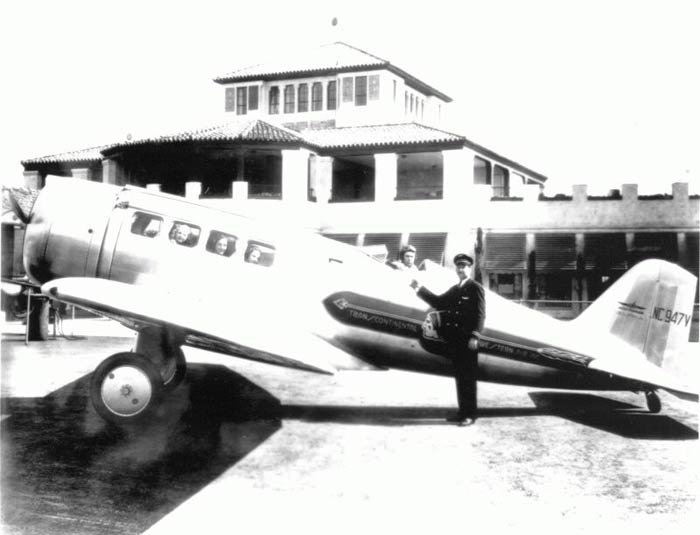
x,y
461,420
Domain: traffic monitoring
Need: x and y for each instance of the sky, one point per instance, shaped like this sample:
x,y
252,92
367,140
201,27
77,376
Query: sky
x,y
587,92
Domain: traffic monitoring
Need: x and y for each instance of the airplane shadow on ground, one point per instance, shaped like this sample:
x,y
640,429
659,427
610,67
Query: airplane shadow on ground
x,y
613,416
65,471
594,411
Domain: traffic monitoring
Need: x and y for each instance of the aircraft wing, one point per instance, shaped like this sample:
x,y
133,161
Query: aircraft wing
x,y
234,329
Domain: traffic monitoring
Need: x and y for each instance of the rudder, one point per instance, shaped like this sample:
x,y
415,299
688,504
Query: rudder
x,y
650,308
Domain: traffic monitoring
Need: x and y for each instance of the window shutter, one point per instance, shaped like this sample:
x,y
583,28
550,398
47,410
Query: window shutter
x,y
230,99
392,242
662,245
606,251
253,97
350,239
555,252
505,252
430,245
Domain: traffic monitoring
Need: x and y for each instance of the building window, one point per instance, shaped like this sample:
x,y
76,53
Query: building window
x,y
274,100
289,99
405,102
303,98
410,105
501,181
554,287
482,171
253,97
332,96
374,87
360,90
394,90
316,96
347,89
508,285
241,101
230,98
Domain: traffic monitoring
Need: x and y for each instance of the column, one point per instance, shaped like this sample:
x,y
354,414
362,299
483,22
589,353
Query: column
x,y
193,190
683,259
33,179
295,175
457,174
83,173
385,173
322,178
110,172
581,284
629,246
529,286
239,190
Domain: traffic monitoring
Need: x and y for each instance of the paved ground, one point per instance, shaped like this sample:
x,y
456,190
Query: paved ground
x,y
247,447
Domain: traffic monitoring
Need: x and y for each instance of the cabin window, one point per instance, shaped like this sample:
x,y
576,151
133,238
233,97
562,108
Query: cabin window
x,y
259,253
221,243
184,234
147,225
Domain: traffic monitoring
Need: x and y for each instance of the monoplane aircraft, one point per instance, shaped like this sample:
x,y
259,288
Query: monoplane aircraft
x,y
183,274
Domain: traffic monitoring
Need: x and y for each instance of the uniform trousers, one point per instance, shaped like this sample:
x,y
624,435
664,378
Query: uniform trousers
x,y
465,363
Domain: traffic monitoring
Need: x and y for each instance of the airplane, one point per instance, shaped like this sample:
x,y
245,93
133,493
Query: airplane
x,y
183,274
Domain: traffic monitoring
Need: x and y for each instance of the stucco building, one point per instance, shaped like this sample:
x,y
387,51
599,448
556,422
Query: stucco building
x,y
346,143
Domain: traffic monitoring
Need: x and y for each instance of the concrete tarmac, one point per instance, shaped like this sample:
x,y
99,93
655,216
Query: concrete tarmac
x,y
247,447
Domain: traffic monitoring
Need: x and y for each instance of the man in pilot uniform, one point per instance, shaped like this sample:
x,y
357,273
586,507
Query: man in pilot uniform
x,y
462,311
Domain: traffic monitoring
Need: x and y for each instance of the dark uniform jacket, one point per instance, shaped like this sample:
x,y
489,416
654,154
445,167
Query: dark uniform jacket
x,y
462,310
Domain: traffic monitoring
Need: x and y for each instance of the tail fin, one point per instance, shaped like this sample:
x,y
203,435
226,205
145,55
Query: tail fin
x,y
650,308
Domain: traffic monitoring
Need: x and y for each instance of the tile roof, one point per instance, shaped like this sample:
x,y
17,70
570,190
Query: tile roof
x,y
328,59
378,135
83,155
254,130
25,198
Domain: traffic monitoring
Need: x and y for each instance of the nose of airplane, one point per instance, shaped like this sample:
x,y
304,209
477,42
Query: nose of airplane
x,y
64,224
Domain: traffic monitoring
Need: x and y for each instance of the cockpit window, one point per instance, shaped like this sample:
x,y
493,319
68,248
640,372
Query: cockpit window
x,y
221,243
262,254
147,225
184,234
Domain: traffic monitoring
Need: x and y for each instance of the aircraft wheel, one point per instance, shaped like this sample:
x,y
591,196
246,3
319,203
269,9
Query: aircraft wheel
x,y
174,370
653,402
125,388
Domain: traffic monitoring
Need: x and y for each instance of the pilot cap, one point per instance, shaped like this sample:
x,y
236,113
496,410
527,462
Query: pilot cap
x,y
462,258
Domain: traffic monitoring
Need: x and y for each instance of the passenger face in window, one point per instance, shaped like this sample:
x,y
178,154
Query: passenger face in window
x,y
221,246
253,255
182,234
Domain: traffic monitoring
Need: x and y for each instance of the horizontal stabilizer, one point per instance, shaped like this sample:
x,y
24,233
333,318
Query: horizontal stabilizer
x,y
645,372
